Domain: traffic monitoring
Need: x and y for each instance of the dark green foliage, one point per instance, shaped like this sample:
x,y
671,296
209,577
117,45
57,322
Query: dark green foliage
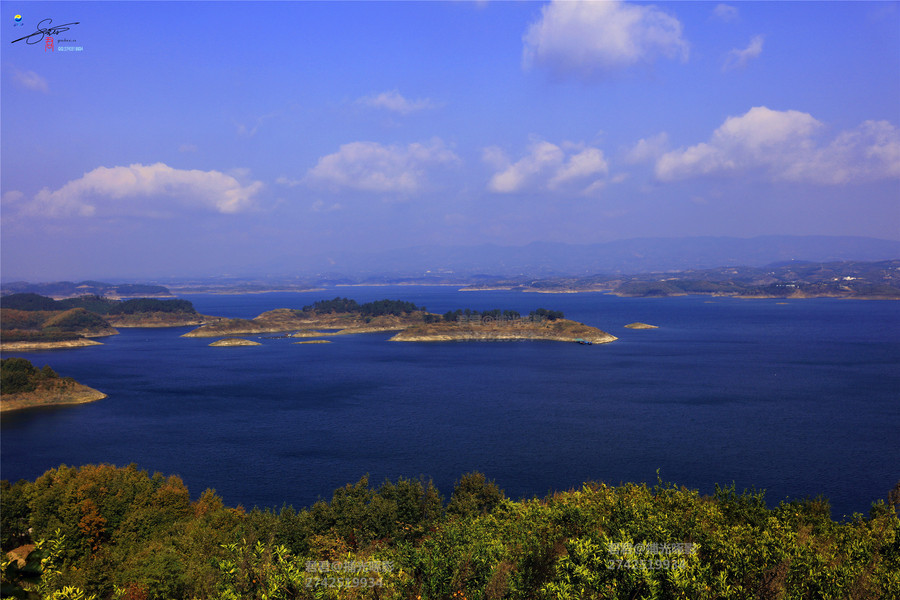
x,y
452,316
550,315
97,304
144,305
338,305
93,303
369,309
28,302
14,514
388,307
19,375
474,495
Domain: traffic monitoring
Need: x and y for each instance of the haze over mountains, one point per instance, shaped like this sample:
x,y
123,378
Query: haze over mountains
x,y
537,259
632,256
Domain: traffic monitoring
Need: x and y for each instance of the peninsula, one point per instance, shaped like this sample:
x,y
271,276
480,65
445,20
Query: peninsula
x,y
24,386
34,322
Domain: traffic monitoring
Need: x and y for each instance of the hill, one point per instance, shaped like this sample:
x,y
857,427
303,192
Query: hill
x,y
21,329
23,386
69,289
32,321
846,279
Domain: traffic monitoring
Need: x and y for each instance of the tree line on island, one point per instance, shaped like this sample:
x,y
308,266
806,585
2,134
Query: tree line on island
x,y
96,304
18,375
101,532
400,307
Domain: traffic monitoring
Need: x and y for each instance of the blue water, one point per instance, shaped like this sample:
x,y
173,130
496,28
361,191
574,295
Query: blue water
x,y
798,398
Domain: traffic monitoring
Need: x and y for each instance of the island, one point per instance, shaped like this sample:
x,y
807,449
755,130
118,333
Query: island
x,y
639,325
25,386
558,330
342,316
227,342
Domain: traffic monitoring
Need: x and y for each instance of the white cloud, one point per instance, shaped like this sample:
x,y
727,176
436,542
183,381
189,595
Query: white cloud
x,y
869,152
30,80
725,12
547,166
590,39
374,167
737,59
394,102
647,149
320,206
288,181
155,190
12,197
781,146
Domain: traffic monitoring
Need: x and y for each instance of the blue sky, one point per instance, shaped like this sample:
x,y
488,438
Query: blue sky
x,y
192,139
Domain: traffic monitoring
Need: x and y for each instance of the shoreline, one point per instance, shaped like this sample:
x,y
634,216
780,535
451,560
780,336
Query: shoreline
x,y
37,346
610,292
75,394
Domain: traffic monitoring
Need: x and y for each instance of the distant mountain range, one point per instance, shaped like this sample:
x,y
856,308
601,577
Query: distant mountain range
x,y
490,262
71,289
632,256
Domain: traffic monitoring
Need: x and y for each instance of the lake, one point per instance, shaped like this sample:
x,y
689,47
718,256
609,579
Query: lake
x,y
799,398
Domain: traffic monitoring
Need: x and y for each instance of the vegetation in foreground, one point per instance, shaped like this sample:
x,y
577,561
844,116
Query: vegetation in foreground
x,y
105,532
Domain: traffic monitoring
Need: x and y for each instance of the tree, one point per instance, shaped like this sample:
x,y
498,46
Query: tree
x,y
17,375
474,495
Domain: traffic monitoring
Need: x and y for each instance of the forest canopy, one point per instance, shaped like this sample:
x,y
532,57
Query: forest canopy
x,y
104,532
369,309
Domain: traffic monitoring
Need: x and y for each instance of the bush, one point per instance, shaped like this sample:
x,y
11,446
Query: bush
x,y
17,375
